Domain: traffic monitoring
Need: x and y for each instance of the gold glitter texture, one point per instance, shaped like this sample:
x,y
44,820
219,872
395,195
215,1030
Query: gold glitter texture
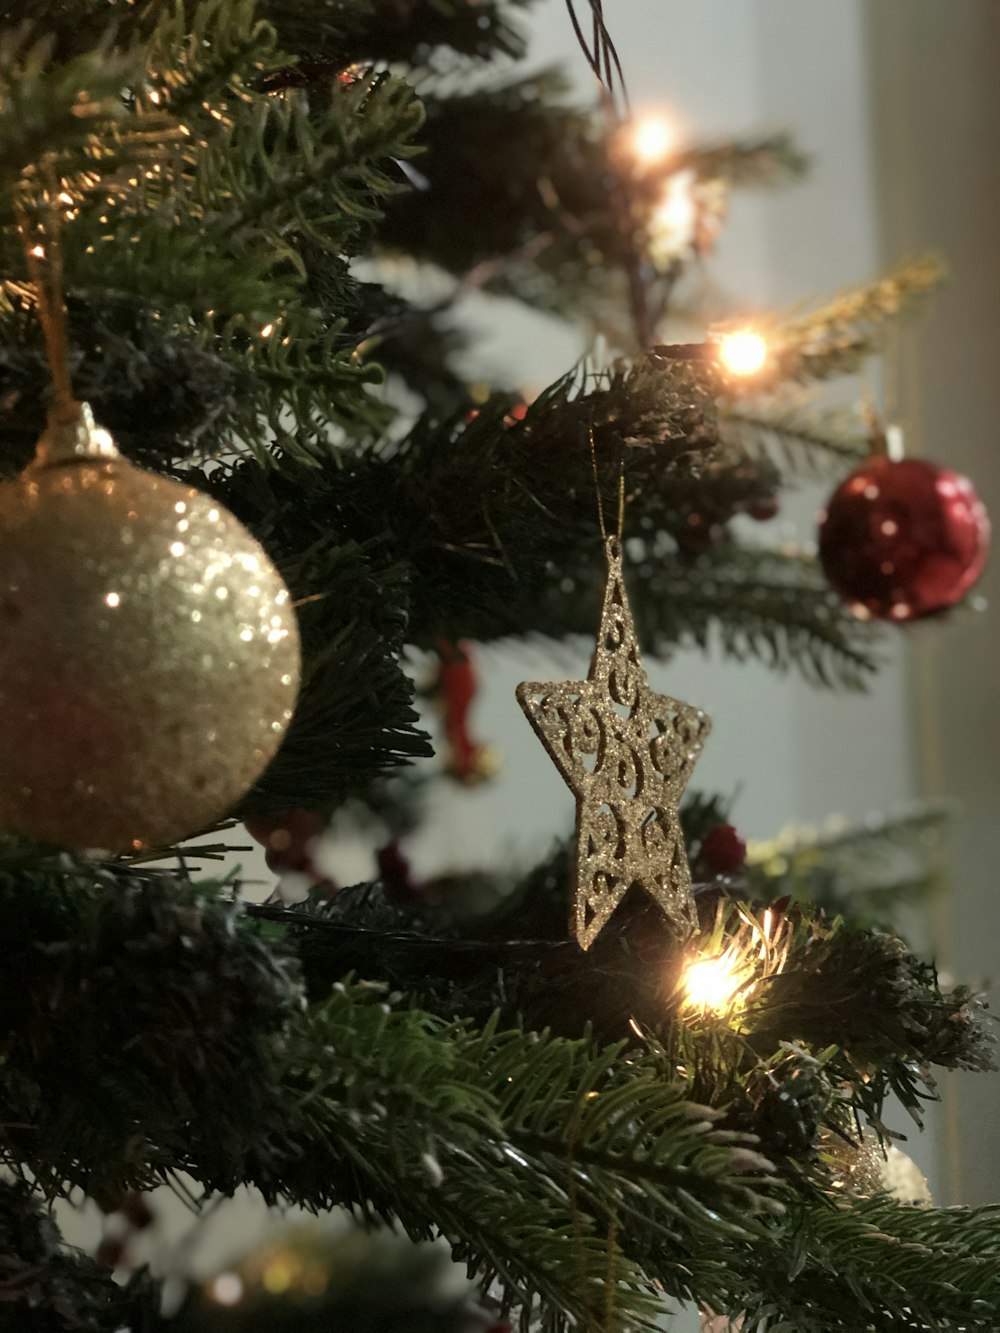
x,y
864,1168
149,654
627,754
855,1168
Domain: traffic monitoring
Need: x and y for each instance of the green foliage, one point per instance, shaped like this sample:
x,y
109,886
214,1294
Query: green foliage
x,y
392,1110
318,33
555,1164
873,1009
491,1169
68,118
159,389
751,602
877,1266
862,871
514,194
200,196
801,437
771,160
458,504
515,197
864,993
836,338
138,1031
355,714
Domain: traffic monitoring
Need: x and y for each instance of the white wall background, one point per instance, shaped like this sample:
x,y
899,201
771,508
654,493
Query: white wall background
x,y
937,103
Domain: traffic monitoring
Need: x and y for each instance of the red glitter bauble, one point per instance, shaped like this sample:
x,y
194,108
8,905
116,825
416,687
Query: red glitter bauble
x,y
903,539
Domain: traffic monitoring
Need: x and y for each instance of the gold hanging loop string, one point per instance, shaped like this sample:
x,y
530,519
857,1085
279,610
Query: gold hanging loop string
x,y
597,483
892,360
885,437
597,489
43,256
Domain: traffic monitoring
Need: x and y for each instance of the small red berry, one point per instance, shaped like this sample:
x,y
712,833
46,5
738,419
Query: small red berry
x,y
396,875
723,851
135,1207
764,508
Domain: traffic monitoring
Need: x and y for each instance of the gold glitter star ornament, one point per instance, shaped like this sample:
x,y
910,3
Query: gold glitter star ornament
x,y
627,754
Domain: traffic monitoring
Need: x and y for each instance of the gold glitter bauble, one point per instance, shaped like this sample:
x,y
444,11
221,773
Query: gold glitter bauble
x,y
904,1179
149,655
855,1168
865,1168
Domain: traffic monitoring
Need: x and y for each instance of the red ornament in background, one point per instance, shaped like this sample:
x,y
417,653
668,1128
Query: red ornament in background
x,y
396,874
132,1215
723,851
288,840
468,761
902,538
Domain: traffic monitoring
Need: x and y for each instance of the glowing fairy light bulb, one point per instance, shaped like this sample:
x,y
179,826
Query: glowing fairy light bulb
x,y
674,220
677,211
722,983
652,139
226,1289
742,352
712,983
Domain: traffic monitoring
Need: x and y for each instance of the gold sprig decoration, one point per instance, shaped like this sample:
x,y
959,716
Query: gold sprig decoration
x,y
627,753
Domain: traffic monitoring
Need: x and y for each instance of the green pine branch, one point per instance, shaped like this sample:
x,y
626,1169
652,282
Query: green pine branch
x,y
573,1138
754,603
769,160
355,716
497,521
514,197
874,1266
873,1010
800,437
857,870
119,989
202,60
838,337
68,116
202,196
400,31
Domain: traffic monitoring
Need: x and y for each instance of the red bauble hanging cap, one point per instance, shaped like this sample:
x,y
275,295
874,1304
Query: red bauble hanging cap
x,y
902,538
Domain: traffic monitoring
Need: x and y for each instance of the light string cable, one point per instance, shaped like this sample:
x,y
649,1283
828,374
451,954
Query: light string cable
x,y
600,51
602,56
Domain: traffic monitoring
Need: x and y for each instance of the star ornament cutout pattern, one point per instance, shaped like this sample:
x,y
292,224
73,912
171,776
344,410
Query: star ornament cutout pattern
x,y
627,754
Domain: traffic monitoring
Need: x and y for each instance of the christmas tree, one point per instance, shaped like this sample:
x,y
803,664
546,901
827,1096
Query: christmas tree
x,y
281,483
